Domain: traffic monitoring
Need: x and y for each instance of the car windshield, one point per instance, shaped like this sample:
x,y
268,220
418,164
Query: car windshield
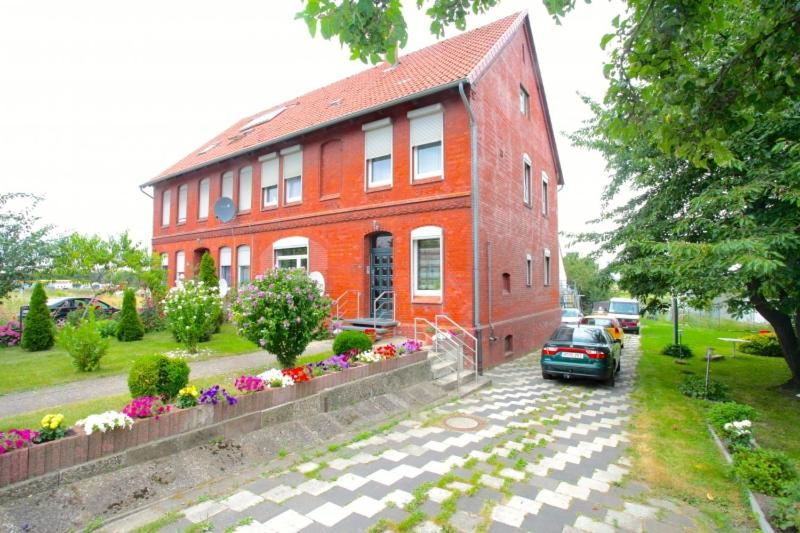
x,y
589,335
570,312
605,322
624,308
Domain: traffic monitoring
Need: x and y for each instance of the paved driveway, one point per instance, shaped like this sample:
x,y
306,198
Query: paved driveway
x,y
525,454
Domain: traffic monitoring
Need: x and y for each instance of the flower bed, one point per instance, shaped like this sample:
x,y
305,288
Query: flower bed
x,y
147,419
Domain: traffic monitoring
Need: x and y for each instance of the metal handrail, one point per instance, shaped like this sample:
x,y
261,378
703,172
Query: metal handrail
x,y
337,301
377,304
438,335
473,346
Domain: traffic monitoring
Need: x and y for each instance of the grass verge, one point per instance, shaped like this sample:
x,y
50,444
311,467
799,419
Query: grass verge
x,y
673,449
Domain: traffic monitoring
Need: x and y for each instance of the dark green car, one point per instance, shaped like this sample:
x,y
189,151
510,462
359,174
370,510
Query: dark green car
x,y
581,352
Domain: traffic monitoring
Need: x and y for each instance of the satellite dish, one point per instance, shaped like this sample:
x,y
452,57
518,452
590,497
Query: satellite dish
x,y
223,288
224,209
318,278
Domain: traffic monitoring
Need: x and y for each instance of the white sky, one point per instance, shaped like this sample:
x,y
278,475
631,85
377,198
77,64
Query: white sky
x,y
97,97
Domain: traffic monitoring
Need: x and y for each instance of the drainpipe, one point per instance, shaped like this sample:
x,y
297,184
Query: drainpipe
x,y
141,188
476,295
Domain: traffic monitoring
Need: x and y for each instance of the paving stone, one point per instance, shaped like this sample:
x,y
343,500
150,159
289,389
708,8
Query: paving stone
x,y
640,511
554,499
242,500
288,522
280,493
573,491
584,523
459,486
398,497
491,481
315,487
264,511
524,505
350,481
427,527
512,474
329,514
307,467
464,522
366,506
622,520
439,495
507,515
203,511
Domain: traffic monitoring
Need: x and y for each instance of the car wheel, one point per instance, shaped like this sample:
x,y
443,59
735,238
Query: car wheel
x,y
636,331
619,366
611,381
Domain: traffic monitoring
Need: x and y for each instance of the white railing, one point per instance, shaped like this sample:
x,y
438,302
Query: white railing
x,y
384,301
443,343
466,341
339,305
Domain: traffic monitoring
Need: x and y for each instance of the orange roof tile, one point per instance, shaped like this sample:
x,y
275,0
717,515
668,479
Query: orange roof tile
x,y
441,65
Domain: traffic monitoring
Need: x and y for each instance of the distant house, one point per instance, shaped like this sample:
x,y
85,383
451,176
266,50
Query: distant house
x,y
412,189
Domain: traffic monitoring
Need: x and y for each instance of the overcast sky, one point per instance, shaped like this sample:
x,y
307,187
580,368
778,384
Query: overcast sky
x,y
98,96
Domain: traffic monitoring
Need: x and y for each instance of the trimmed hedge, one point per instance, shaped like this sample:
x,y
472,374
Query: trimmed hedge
x,y
347,340
765,344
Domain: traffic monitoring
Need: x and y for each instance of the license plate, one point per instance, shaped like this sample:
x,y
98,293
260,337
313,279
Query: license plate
x,y
571,355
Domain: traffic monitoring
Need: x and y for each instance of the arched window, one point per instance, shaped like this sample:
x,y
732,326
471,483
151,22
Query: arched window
x,y
426,261
243,264
291,252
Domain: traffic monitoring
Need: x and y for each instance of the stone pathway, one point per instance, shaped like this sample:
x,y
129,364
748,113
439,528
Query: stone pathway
x,y
80,391
526,454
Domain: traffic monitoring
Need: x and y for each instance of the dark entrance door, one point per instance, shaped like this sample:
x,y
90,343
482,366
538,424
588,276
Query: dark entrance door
x,y
381,271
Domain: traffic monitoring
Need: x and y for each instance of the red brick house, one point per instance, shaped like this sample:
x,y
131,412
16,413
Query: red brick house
x,y
415,189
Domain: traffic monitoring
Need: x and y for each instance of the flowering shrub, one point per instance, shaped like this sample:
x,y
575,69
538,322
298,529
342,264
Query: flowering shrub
x,y
145,407
84,343
281,311
51,428
298,374
192,310
738,434
14,439
212,396
105,421
245,384
387,351
369,357
10,333
187,397
275,378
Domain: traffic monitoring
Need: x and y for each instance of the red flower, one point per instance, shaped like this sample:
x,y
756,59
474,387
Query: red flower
x,y
298,374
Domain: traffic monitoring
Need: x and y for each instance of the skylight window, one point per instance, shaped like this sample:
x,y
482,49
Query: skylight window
x,y
208,148
262,118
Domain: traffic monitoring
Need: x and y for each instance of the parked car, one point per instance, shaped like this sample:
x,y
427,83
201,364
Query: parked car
x,y
581,351
570,315
60,308
611,324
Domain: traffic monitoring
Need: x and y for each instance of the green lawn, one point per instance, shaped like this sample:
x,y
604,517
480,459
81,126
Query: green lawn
x,y
21,370
673,448
75,411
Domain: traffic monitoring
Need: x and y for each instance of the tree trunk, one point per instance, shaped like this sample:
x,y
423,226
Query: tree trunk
x,y
788,334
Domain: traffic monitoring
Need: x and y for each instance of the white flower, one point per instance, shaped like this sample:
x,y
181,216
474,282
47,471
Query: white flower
x,y
369,357
275,378
105,421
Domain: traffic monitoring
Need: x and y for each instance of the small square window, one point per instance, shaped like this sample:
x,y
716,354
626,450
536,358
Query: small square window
x,y
526,181
506,283
379,171
294,189
428,159
524,102
547,268
528,270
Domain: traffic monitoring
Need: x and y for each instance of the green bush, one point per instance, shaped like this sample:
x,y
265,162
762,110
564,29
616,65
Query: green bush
x,y
695,387
130,326
281,311
677,350
84,343
192,310
152,317
39,331
721,413
347,340
786,514
208,275
763,344
157,375
107,328
765,471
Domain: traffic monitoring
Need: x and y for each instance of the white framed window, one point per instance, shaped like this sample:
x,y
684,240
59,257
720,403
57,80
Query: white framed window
x,y
427,142
245,189
225,264
524,102
166,200
291,252
227,184
546,267
165,266
203,195
180,266
526,179
270,171
243,264
426,261
545,198
528,270
378,152
183,198
292,174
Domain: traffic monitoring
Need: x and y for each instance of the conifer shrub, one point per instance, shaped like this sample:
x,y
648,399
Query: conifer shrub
x,y
130,326
208,275
39,331
158,375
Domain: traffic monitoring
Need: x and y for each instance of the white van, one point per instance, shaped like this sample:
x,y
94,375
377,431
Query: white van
x,y
626,311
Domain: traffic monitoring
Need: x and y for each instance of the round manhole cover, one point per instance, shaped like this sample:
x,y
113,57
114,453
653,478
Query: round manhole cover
x,y
462,423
